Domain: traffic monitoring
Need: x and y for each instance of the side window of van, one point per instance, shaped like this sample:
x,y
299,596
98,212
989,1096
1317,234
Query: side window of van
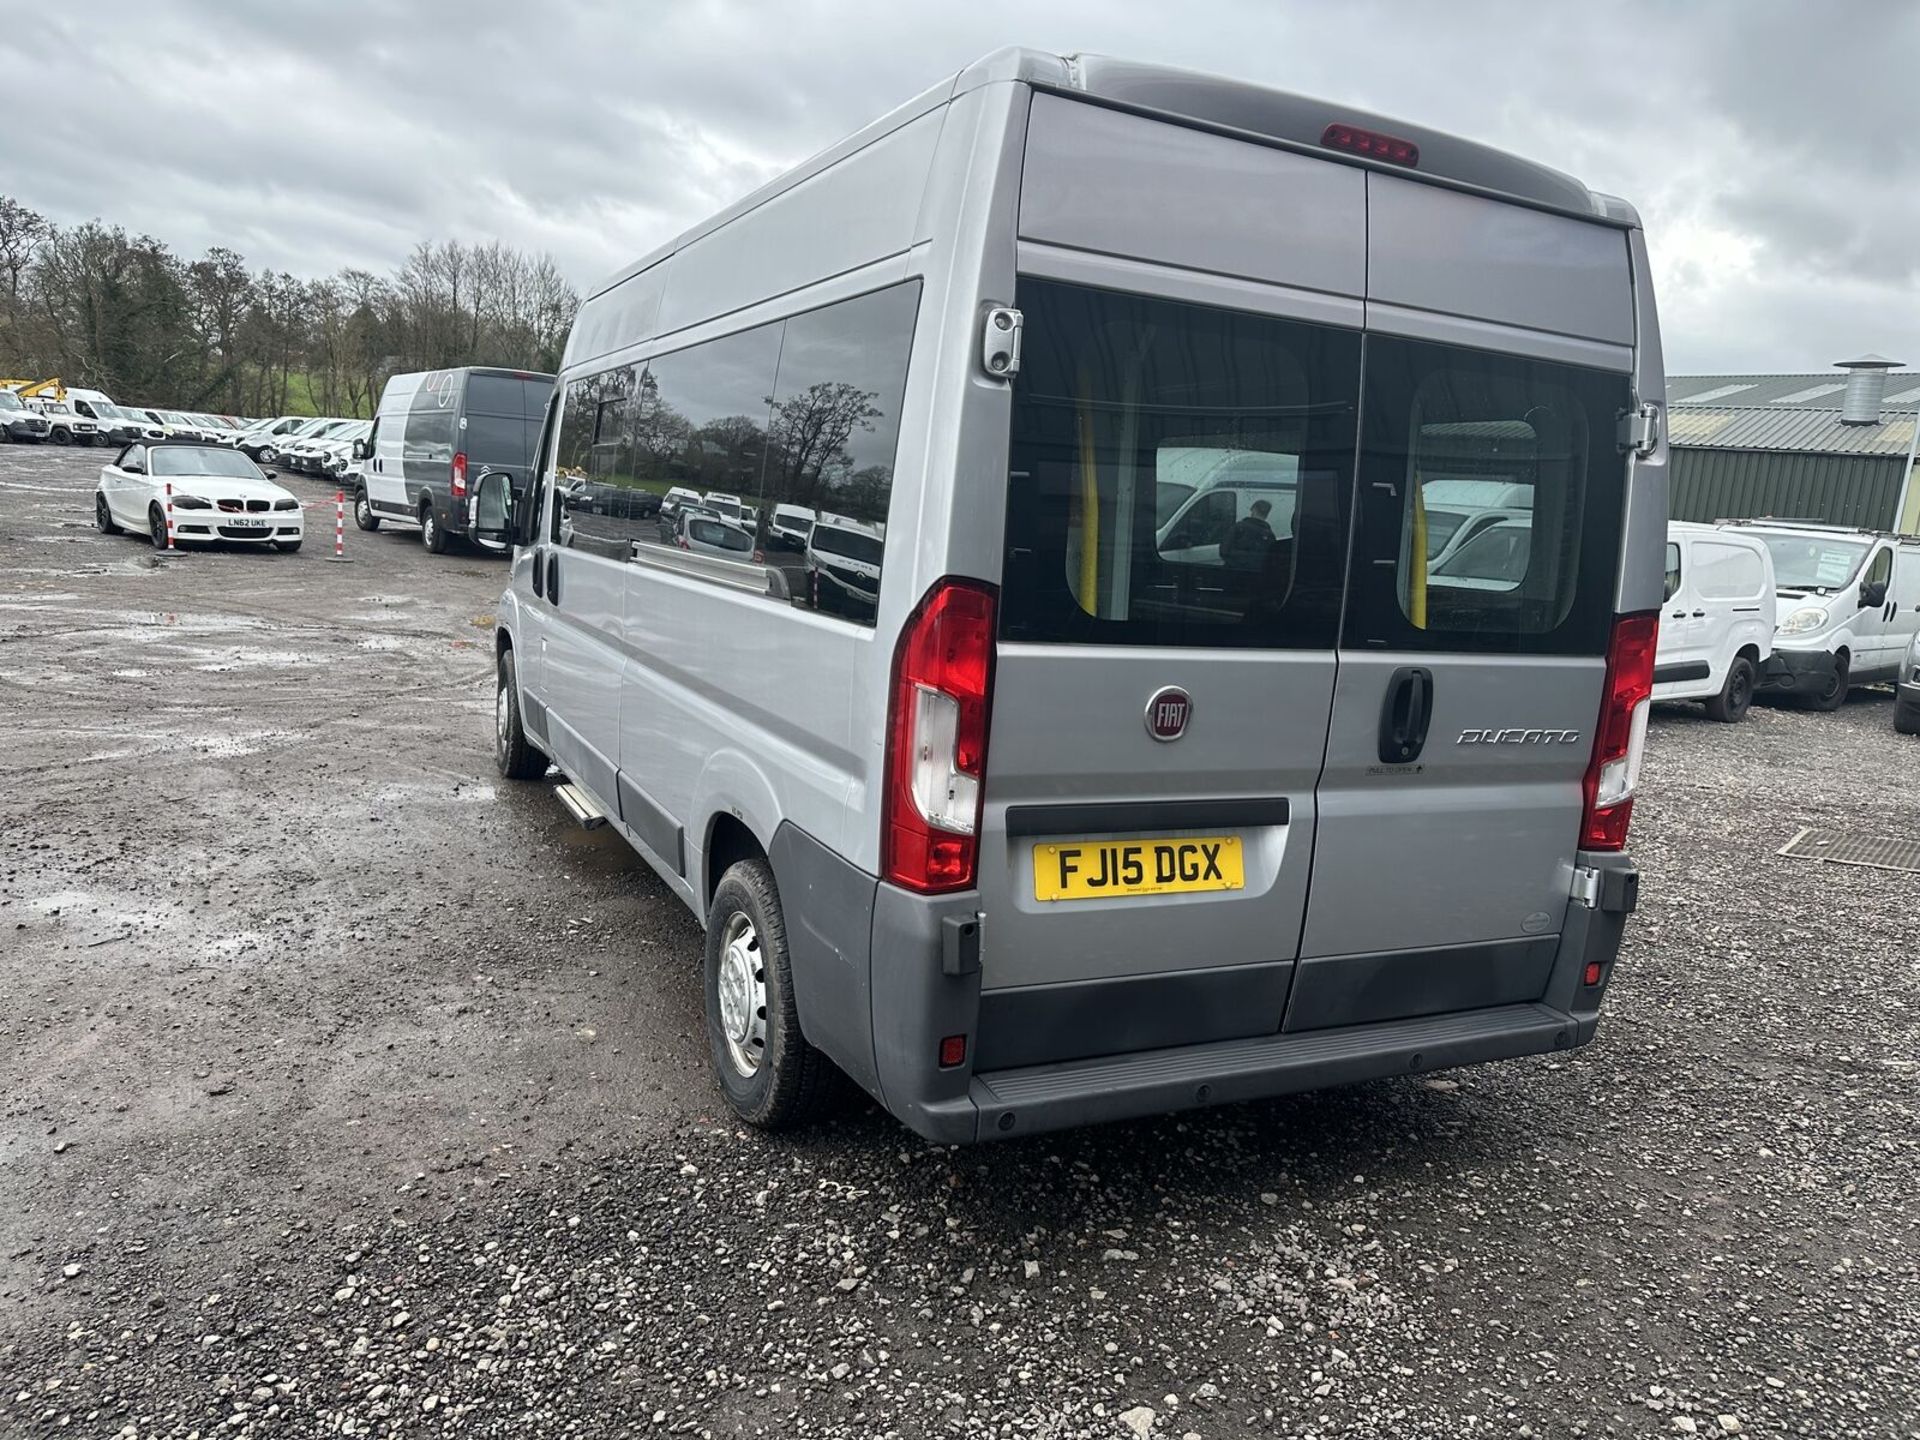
x,y
1526,450
1880,569
1673,570
593,464
1178,474
1726,572
833,431
700,417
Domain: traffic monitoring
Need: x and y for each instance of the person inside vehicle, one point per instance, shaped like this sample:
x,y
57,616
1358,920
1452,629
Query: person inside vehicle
x,y
1247,544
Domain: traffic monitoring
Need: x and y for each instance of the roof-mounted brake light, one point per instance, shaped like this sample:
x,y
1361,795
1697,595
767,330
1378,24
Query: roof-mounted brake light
x,y
1370,143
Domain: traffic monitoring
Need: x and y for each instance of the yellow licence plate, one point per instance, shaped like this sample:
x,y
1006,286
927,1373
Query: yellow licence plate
x,y
1101,869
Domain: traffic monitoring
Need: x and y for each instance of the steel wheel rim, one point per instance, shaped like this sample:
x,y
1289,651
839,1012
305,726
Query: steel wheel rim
x,y
1742,689
361,509
500,703
741,988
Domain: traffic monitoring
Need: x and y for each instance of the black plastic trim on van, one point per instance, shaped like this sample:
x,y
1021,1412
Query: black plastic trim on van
x,y
1684,670
653,825
1128,816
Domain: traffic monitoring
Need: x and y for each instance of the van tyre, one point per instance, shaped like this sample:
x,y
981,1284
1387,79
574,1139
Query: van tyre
x,y
1736,696
769,1073
433,534
517,756
363,515
103,520
1834,693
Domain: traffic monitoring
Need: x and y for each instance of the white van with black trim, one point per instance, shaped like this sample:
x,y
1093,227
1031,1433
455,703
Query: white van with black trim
x,y
1716,633
1849,605
1063,820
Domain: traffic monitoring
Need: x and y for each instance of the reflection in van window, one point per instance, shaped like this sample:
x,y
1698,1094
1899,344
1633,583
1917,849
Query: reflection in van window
x,y
1814,562
1177,473
851,543
1673,570
1522,451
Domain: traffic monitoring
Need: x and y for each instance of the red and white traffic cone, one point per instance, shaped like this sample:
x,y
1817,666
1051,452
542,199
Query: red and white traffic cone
x,y
339,524
169,514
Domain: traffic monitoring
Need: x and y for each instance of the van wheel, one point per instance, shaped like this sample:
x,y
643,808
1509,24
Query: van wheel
x,y
1834,692
1906,719
1736,695
62,437
363,515
771,1076
102,516
432,534
516,755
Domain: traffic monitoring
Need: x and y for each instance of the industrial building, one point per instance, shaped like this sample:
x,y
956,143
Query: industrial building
x,y
1837,447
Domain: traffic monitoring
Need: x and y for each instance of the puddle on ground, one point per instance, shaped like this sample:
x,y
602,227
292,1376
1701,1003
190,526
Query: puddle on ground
x,y
413,792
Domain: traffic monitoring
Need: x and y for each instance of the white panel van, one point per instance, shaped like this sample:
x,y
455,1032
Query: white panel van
x,y
1716,633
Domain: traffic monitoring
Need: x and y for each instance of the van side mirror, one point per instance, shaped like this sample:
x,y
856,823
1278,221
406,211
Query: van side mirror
x,y
359,449
1873,594
493,511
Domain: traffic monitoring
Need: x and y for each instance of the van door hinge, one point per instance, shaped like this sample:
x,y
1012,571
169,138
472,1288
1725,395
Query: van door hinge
x,y
1586,886
1640,430
1000,342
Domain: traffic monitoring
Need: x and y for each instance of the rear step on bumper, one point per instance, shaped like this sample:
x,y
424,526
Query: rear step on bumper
x,y
1083,1092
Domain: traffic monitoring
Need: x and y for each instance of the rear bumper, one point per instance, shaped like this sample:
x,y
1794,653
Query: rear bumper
x,y
1797,672
925,985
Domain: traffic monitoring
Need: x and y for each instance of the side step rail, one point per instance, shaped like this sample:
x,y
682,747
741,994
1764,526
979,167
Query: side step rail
x,y
580,805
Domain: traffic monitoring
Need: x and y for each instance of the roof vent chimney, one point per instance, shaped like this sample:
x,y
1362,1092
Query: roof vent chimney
x,y
1866,387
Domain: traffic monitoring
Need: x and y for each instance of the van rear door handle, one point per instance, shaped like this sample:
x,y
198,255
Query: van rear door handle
x,y
1404,715
553,580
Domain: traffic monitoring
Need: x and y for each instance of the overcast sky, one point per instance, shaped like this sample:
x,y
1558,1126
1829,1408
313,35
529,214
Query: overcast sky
x,y
1770,147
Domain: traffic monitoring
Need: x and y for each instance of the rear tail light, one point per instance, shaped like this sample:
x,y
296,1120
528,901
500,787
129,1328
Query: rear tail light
x,y
1620,739
937,739
1370,143
459,476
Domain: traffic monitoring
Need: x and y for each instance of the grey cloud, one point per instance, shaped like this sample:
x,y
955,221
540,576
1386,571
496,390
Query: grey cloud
x,y
310,134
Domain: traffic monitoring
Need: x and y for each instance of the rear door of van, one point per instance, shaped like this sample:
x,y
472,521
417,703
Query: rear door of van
x,y
1499,348
1161,695
384,468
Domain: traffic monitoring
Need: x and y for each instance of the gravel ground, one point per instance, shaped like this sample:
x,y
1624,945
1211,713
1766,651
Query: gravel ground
x,y
348,1092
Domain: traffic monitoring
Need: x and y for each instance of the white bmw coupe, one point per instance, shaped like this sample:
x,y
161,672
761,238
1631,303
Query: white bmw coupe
x,y
217,494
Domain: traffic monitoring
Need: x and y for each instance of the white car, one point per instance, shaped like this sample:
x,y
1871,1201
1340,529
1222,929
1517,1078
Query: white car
x,y
216,494
70,428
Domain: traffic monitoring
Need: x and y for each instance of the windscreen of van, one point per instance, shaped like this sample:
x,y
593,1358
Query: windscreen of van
x,y
1814,562
1178,474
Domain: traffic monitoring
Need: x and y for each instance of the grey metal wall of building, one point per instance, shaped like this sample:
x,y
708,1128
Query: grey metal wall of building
x,y
1739,484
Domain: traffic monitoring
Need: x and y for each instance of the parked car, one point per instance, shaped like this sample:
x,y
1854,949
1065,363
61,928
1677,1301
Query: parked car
x,y
1045,826
216,495
1849,607
306,453
18,423
117,426
261,439
1906,701
1716,632
435,428
69,427
713,535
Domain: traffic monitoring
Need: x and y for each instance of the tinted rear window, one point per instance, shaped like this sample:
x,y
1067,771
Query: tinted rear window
x,y
497,440
1179,474
507,395
1525,451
